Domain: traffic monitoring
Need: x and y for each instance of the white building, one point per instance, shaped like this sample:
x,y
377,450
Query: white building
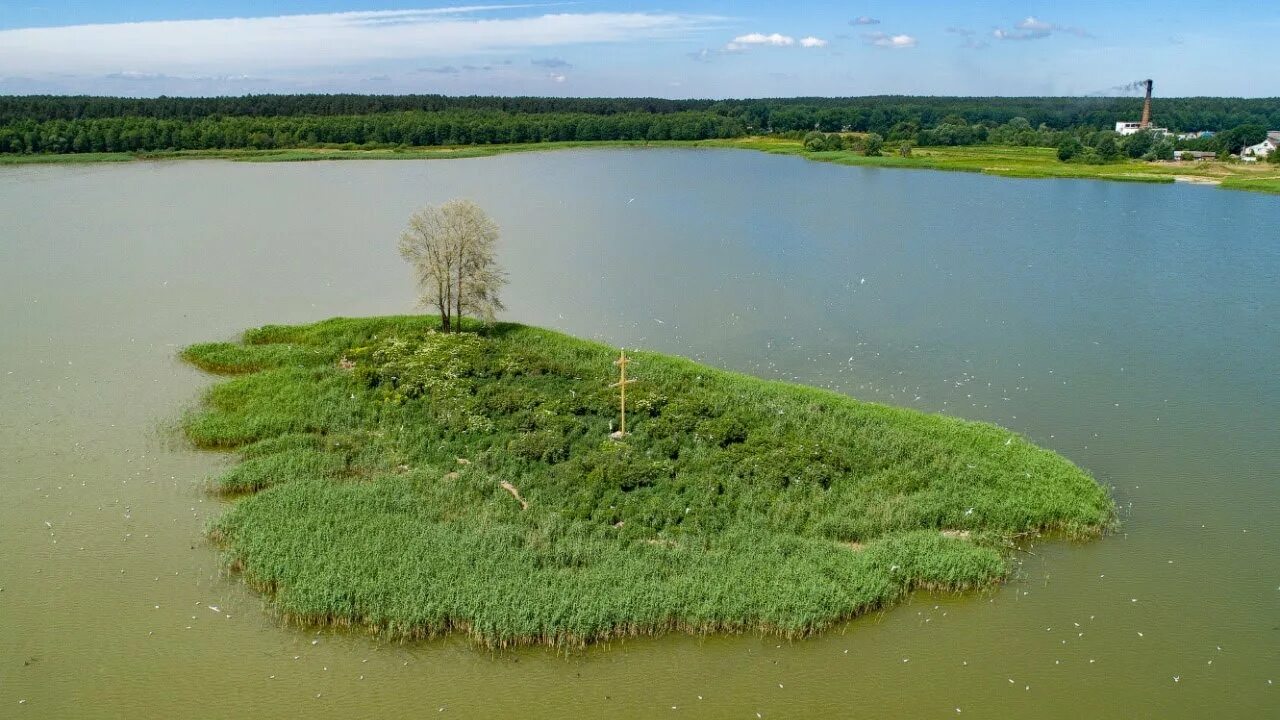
x,y
1264,148
1132,128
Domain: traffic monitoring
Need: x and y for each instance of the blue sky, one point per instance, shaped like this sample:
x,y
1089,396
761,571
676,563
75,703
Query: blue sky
x,y
672,48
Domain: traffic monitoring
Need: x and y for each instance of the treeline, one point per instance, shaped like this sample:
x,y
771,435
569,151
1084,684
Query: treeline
x,y
903,117
80,107
134,134
61,124
879,114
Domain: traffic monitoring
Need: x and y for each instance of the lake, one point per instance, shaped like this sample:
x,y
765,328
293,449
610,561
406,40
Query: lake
x,y
1133,328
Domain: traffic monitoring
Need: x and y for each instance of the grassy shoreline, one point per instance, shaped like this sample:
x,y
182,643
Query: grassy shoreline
x,y
1017,162
385,469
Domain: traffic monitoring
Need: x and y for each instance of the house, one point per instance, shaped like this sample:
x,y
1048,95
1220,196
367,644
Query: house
x,y
1264,148
1195,135
1193,155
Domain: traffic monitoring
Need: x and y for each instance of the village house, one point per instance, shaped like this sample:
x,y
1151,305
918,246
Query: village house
x,y
1264,148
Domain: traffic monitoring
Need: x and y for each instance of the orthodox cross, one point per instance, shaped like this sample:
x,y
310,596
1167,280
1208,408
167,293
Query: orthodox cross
x,y
622,383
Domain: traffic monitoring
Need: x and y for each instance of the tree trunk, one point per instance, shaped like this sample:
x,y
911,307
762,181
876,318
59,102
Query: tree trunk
x,y
446,301
458,315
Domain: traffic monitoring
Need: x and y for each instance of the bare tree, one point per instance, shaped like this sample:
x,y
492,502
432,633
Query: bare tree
x,y
453,251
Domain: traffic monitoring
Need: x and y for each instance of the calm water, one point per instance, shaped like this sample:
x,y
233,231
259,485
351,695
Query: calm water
x,y
1133,328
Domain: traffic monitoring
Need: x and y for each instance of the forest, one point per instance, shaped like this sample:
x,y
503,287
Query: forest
x,y
57,124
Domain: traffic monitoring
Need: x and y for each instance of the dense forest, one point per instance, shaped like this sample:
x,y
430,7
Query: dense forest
x,y
450,127
55,124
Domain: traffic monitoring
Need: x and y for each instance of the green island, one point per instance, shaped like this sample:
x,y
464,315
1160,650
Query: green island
x,y
417,483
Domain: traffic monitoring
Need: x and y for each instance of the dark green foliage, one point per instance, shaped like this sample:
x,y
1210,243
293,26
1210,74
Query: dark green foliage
x,y
377,450
49,124
951,135
1161,150
383,130
1106,147
1139,144
1238,138
815,141
1069,148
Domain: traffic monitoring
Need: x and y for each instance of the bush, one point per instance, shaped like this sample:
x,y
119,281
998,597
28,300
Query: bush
x,y
1162,150
1107,148
818,141
1069,149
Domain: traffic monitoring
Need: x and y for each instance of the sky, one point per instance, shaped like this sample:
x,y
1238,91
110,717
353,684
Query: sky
x,y
672,48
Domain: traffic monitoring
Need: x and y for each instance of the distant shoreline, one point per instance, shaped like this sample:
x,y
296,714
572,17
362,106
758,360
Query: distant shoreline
x,y
1006,161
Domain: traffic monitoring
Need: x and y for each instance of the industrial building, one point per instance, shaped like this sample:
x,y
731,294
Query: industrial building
x,y
1129,128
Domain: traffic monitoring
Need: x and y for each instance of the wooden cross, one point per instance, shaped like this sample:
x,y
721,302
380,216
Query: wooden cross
x,y
622,383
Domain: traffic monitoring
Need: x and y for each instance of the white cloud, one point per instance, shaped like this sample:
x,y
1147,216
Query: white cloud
x,y
885,40
1033,28
557,77
295,42
742,42
864,20
750,40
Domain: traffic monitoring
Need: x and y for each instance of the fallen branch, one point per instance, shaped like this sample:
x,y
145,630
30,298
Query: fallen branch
x,y
524,505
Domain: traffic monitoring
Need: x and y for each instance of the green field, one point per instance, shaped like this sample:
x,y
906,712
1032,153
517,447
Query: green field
x,y
1032,162
414,483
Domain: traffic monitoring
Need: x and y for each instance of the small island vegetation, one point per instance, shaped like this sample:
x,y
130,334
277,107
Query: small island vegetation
x,y
395,477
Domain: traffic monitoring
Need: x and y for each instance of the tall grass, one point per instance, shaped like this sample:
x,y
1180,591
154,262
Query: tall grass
x,y
374,452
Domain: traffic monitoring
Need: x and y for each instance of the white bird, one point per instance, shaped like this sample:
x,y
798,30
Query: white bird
x,y
1176,678
629,202
213,608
